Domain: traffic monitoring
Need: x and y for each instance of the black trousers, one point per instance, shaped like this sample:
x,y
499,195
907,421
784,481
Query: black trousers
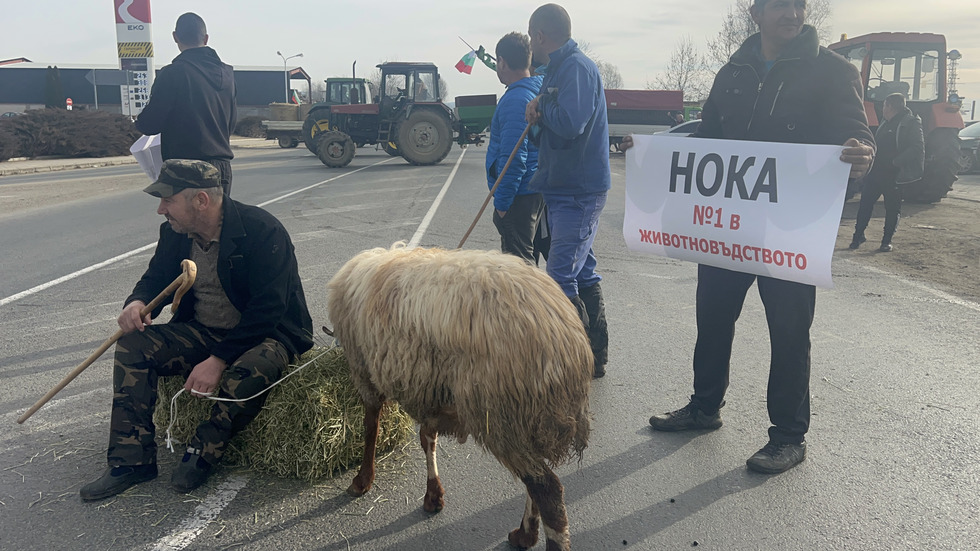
x,y
224,167
517,229
789,314
871,190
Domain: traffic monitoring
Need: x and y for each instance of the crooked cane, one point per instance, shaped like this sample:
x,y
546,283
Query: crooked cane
x,y
179,287
494,188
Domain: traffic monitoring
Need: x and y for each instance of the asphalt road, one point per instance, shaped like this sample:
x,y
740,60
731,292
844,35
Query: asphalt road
x,y
892,448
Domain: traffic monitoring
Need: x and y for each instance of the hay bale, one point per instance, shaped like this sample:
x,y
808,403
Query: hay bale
x,y
312,424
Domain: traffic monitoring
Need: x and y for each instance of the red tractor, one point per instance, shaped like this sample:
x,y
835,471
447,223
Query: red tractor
x,y
913,64
409,119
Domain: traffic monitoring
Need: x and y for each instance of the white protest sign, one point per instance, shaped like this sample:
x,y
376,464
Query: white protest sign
x,y
770,209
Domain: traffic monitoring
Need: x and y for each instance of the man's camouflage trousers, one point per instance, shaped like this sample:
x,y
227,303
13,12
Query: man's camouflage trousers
x,y
174,349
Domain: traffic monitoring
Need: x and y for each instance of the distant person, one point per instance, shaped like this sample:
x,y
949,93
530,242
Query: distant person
x,y
517,209
899,160
777,75
572,132
192,103
678,119
243,321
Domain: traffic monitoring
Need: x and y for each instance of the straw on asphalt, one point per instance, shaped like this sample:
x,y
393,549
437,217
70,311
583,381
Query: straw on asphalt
x,y
311,426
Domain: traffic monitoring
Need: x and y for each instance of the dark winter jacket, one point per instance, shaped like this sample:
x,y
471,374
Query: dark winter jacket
x,y
909,158
258,271
573,143
506,128
192,107
810,95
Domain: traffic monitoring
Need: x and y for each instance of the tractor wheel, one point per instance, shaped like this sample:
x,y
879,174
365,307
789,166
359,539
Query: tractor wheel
x,y
287,142
335,149
425,138
941,165
391,149
317,122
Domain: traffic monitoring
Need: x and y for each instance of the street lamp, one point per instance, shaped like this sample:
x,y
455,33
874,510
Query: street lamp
x,y
286,71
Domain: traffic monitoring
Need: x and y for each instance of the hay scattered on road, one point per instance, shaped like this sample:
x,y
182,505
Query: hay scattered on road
x,y
312,424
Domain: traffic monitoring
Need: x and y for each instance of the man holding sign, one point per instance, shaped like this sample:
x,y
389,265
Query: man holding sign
x,y
780,86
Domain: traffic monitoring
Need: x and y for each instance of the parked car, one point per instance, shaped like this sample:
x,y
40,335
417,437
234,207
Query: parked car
x,y
683,129
9,114
970,148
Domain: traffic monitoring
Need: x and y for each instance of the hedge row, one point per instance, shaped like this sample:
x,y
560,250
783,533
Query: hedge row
x,y
77,133
81,133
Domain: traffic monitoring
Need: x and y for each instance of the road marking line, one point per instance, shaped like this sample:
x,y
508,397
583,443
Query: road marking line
x,y
113,260
207,511
921,286
414,242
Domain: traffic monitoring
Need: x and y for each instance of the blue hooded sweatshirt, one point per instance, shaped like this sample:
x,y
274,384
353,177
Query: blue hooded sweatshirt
x,y
573,141
506,128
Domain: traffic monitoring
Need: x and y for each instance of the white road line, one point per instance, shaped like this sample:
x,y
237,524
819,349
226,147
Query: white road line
x,y
921,286
207,511
414,242
34,290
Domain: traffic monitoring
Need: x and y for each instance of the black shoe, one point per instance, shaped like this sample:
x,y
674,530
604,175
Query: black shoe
x,y
856,241
116,480
688,417
192,471
777,457
885,248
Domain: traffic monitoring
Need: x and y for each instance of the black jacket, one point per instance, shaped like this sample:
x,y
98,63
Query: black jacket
x,y
810,95
192,107
909,158
258,271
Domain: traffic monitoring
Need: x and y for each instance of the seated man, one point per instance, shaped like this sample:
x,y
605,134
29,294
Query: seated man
x,y
245,319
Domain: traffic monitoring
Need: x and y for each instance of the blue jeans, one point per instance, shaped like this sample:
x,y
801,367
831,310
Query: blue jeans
x,y
573,221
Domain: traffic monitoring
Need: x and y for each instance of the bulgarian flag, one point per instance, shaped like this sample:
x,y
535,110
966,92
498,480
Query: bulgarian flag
x,y
465,65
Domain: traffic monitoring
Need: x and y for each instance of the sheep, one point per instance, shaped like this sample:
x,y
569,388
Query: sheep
x,y
469,343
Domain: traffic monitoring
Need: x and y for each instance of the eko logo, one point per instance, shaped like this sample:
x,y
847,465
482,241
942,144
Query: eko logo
x,y
132,11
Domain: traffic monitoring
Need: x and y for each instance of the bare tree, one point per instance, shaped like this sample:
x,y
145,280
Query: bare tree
x,y
687,70
319,91
738,26
611,77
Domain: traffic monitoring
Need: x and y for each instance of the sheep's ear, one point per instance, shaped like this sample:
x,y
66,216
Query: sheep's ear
x,y
327,331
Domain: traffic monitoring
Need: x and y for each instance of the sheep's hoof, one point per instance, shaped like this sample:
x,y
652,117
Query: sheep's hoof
x,y
357,490
521,539
433,503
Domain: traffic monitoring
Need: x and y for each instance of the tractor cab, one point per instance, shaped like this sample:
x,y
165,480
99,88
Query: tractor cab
x,y
914,65
404,83
344,91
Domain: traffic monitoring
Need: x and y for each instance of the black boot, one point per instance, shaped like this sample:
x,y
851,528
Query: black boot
x,y
116,480
857,239
597,330
891,224
583,314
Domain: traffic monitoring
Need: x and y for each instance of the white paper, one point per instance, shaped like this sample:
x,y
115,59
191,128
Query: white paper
x,y
147,153
769,209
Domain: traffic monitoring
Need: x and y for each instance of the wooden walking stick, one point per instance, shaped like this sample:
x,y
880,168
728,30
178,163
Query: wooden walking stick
x,y
494,188
181,285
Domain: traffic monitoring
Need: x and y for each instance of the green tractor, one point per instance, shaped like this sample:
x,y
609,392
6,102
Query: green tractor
x,y
409,119
340,91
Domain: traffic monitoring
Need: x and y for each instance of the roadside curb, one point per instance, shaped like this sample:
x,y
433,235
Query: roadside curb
x,y
58,168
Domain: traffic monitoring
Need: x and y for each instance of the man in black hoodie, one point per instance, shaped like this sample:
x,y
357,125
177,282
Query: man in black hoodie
x,y
192,103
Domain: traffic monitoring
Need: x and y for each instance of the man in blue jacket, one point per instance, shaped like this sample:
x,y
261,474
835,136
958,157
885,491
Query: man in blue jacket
x,y
573,165
517,209
192,103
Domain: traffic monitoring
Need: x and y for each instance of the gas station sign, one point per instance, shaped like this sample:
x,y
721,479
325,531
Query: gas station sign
x,y
134,44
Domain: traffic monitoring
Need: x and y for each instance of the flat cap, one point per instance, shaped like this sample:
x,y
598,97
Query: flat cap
x,y
180,174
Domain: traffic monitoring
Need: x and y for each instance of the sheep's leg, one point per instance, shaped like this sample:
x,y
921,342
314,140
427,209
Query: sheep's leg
x,y
365,477
525,536
433,502
548,495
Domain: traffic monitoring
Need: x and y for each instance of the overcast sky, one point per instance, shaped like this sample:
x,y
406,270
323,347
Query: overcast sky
x,y
635,35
